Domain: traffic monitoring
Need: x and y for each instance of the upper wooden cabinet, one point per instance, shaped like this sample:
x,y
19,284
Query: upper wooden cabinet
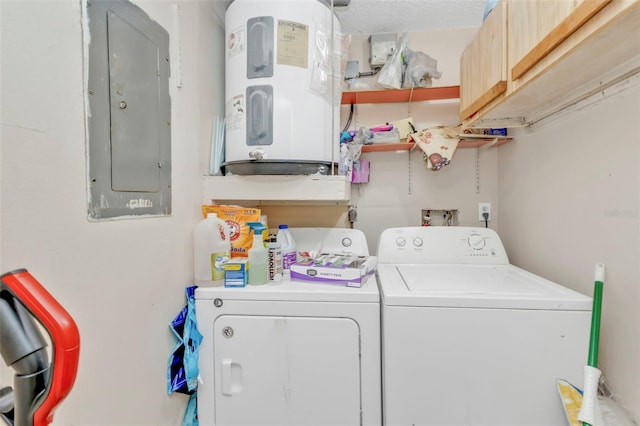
x,y
483,73
537,27
557,53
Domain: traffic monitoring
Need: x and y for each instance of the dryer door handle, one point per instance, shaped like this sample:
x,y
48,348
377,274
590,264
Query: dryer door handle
x,y
231,377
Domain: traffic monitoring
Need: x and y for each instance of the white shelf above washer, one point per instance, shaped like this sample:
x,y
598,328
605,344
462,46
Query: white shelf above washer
x,y
306,188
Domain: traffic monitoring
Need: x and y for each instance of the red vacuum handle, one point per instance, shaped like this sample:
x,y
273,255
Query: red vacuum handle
x,y
64,335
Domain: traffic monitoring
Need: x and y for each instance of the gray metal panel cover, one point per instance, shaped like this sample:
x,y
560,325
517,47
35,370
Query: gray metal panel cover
x,y
130,113
135,108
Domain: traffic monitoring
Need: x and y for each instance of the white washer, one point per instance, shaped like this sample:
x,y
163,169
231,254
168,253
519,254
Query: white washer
x,y
295,353
469,339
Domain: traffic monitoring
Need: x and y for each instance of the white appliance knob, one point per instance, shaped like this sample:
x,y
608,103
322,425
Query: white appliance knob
x,y
346,242
417,242
400,242
476,241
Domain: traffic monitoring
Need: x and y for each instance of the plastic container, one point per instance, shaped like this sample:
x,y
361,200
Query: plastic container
x,y
258,256
212,249
288,246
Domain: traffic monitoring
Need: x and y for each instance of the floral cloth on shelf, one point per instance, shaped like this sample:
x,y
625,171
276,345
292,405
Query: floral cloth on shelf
x,y
438,145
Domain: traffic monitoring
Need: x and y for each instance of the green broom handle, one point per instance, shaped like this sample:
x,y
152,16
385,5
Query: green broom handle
x,y
594,340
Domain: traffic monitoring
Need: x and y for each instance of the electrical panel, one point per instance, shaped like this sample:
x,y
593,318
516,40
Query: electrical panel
x,y
129,114
382,47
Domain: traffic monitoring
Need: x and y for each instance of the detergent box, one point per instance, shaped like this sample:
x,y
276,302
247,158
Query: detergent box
x,y
343,269
236,272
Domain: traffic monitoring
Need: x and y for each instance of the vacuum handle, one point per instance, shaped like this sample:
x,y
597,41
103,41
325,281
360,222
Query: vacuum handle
x,y
65,338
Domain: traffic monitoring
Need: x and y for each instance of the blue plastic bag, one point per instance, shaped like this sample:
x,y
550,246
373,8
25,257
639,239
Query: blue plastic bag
x,y
182,375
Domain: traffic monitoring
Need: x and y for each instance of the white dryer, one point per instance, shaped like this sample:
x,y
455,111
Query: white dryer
x,y
469,339
295,353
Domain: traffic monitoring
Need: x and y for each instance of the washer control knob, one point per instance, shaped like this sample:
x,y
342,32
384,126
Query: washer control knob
x,y
476,241
417,241
346,242
400,242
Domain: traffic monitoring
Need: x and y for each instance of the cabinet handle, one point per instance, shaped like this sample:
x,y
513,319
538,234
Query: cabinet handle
x,y
231,377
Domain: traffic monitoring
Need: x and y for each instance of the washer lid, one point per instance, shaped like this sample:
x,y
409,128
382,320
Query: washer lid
x,y
288,290
474,286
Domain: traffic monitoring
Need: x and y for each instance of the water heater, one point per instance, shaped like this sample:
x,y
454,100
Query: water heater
x,y
282,103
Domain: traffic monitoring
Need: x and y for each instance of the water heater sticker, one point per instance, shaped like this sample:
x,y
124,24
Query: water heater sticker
x,y
235,43
293,44
235,113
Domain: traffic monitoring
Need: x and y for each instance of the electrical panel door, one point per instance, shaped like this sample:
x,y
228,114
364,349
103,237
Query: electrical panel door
x,y
129,114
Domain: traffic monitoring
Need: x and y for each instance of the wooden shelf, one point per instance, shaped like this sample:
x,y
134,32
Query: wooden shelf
x,y
308,188
401,95
466,141
388,147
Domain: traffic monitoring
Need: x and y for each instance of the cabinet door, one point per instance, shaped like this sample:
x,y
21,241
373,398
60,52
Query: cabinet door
x,y
286,371
483,72
536,27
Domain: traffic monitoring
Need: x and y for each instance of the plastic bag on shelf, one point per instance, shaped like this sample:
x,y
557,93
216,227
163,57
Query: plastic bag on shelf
x,y
421,69
391,74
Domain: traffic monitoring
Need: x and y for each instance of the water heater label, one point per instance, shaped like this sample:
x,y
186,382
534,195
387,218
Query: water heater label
x,y
235,113
235,43
293,44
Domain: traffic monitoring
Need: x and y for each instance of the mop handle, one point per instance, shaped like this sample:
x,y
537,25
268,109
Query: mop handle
x,y
594,340
592,374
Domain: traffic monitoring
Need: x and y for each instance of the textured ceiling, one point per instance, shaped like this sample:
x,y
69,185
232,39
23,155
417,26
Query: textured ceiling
x,y
365,17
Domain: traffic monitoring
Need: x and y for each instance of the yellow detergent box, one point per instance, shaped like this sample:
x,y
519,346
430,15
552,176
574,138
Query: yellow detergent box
x,y
348,270
236,272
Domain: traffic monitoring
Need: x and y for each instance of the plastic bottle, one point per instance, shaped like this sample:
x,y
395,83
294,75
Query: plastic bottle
x,y
258,256
288,246
274,266
212,249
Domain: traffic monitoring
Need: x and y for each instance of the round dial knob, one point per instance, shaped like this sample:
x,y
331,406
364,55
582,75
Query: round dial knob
x,y
417,241
476,242
400,242
346,242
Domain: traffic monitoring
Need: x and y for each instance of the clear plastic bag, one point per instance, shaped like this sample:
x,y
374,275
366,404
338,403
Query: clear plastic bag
x,y
421,69
329,63
391,74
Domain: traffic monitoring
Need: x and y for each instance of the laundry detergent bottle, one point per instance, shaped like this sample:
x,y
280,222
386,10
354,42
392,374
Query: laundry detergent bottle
x,y
258,256
288,247
212,250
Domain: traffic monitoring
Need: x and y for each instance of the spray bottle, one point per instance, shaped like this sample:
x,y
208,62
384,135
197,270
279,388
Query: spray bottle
x,y
258,256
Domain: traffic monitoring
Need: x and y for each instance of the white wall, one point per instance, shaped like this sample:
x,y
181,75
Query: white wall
x,y
570,197
122,281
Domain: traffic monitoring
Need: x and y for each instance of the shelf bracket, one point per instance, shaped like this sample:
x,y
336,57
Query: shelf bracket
x,y
489,144
480,149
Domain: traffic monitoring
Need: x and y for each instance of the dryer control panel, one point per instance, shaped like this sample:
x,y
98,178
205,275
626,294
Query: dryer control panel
x,y
441,245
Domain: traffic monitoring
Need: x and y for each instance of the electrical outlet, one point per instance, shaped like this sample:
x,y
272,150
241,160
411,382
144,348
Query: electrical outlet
x,y
484,208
